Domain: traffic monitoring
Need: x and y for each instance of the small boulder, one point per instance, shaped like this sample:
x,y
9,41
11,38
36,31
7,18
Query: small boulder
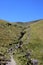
x,y
34,62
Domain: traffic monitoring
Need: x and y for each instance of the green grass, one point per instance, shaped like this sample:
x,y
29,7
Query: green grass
x,y
36,40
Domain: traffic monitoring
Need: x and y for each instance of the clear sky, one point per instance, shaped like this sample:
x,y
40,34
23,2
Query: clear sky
x,y
21,10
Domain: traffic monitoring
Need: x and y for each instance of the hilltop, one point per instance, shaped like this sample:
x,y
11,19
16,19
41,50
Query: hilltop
x,y
29,33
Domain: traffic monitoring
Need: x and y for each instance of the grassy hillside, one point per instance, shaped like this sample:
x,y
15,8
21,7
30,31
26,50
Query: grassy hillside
x,y
9,34
31,36
36,40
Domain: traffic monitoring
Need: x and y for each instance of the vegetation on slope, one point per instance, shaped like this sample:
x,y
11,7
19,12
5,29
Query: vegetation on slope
x,y
31,36
36,40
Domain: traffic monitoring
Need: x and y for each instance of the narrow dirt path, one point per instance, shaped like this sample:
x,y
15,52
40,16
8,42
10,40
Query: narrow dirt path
x,y
12,61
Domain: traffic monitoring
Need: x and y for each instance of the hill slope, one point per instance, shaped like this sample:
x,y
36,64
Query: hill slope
x,y
36,40
29,34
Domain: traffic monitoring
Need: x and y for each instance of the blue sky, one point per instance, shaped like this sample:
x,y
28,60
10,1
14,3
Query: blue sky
x,y
21,10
